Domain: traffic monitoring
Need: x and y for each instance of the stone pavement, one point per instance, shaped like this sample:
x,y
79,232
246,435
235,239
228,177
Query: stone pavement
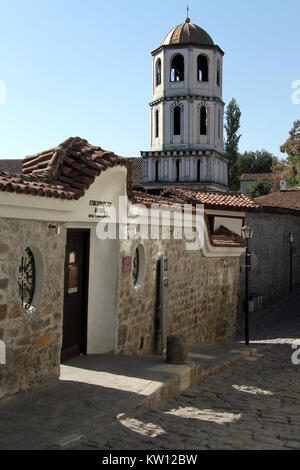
x,y
252,405
100,401
95,391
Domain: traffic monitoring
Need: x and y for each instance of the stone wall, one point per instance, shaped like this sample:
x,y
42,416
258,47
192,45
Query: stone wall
x,y
32,338
202,297
270,243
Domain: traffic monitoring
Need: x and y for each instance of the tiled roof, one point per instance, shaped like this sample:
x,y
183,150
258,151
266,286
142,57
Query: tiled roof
x,y
281,199
28,185
136,165
222,237
212,199
225,237
13,167
139,197
65,171
256,176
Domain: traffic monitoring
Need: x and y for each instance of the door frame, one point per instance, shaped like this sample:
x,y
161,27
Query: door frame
x,y
85,286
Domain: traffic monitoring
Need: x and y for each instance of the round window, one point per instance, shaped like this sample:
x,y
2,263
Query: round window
x,y
30,278
26,278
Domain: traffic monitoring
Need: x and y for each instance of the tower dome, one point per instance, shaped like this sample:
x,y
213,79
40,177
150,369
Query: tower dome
x,y
187,33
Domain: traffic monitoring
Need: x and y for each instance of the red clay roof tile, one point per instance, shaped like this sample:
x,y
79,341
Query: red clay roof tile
x,y
257,176
282,199
222,237
65,171
136,165
225,237
212,199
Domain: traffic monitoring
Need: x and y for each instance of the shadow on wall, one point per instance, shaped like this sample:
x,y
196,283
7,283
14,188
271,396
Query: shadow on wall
x,y
271,245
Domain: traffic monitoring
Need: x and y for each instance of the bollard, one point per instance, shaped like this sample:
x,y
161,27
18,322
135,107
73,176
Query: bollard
x,y
177,350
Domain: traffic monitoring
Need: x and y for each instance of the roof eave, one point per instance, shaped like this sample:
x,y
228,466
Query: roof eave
x,y
182,46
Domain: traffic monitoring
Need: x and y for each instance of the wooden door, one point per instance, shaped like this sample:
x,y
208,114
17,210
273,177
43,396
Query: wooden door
x,y
75,294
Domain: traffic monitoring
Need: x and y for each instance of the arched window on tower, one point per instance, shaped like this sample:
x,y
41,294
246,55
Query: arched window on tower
x,y
202,73
219,124
177,120
177,68
218,73
203,121
156,123
177,170
156,170
158,72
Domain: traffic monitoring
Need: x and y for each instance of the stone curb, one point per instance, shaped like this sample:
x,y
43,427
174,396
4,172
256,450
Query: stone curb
x,y
185,376
190,375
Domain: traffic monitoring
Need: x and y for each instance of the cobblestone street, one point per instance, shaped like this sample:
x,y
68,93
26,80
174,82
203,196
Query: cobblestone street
x,y
251,405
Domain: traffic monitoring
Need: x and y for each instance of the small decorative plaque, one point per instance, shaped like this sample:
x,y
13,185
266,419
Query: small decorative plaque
x,y
126,264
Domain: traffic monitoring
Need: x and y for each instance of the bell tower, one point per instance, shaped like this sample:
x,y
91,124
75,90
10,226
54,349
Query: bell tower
x,y
186,113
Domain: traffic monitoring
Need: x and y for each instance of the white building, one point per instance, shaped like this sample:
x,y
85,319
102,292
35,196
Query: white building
x,y
186,113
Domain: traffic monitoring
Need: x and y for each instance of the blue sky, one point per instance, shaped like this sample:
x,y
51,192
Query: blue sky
x,y
83,67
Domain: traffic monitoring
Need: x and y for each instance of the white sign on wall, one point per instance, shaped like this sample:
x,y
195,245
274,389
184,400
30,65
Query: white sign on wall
x,y
98,209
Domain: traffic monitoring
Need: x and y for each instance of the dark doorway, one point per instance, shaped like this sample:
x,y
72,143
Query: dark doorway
x,y
75,294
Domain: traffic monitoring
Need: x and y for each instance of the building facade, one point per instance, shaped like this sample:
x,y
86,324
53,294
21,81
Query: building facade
x,y
90,266
278,258
247,180
65,289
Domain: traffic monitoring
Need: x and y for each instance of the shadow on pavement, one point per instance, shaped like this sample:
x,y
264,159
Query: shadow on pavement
x,y
251,405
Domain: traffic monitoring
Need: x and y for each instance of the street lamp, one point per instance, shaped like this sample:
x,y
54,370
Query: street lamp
x,y
247,233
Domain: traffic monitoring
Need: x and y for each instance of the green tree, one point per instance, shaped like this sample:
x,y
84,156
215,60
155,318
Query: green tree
x,y
292,148
260,161
233,115
284,169
292,145
260,188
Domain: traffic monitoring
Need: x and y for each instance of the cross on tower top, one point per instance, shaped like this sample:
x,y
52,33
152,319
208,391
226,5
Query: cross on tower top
x,y
187,20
